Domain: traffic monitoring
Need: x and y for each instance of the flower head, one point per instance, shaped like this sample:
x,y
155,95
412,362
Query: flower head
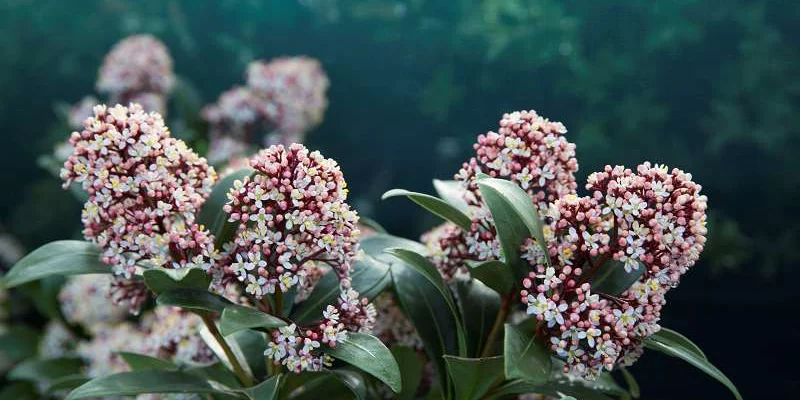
x,y
86,300
137,64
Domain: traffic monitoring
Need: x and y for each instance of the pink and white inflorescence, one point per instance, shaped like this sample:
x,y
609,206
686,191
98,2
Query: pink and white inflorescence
x,y
292,214
145,189
174,334
650,223
528,150
84,300
137,66
296,87
239,113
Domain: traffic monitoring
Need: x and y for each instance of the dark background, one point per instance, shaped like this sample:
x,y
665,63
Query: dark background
x,y
712,87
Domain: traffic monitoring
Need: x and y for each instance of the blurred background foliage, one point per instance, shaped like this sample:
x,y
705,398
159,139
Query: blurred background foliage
x,y
712,87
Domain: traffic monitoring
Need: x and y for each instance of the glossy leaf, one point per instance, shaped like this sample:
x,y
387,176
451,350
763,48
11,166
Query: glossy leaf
x,y
474,377
525,359
368,276
553,389
317,385
411,366
369,354
478,306
65,384
267,390
613,279
452,192
667,335
375,246
689,354
236,318
45,370
630,380
213,216
494,274
160,280
435,205
146,381
352,380
63,257
429,272
194,300
140,361
249,346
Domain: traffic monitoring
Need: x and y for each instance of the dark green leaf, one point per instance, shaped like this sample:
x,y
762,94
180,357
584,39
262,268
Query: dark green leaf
x,y
429,271
213,216
63,257
315,386
474,377
525,359
689,354
140,361
160,280
367,353
494,274
236,318
352,380
553,389
250,346
145,381
18,343
19,391
66,384
45,370
368,276
630,380
479,306
411,365
453,193
612,278
666,335
194,300
267,390
217,372
44,295
435,205
375,245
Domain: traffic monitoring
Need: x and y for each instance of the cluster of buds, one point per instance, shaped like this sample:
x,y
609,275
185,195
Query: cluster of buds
x,y
392,326
57,341
528,150
145,188
301,348
650,223
84,301
284,98
101,353
137,69
174,334
292,215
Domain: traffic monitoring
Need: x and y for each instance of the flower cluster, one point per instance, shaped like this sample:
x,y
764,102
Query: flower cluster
x,y
284,98
173,334
144,188
84,300
137,69
300,349
80,111
57,341
528,150
101,353
392,326
650,223
292,215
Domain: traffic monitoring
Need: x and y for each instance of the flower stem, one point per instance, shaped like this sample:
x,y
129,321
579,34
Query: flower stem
x,y
499,322
237,368
278,303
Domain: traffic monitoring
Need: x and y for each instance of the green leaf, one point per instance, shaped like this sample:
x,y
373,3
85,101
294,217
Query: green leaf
x,y
453,193
553,389
44,295
352,380
18,343
139,362
249,346
217,372
317,385
368,276
375,245
630,380
236,318
160,280
368,353
195,300
494,274
479,306
613,279
63,257
66,384
19,391
515,219
411,365
688,353
435,205
45,370
429,271
213,216
474,377
524,358
146,381
669,336
267,390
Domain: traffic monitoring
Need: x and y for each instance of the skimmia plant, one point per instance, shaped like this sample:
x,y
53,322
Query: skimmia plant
x,y
263,283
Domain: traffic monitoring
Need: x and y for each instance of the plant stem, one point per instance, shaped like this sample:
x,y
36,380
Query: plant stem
x,y
278,303
499,322
237,368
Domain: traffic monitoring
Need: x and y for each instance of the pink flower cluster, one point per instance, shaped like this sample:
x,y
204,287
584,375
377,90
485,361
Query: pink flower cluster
x,y
650,222
392,326
292,216
528,150
144,188
137,69
284,98
84,300
174,334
